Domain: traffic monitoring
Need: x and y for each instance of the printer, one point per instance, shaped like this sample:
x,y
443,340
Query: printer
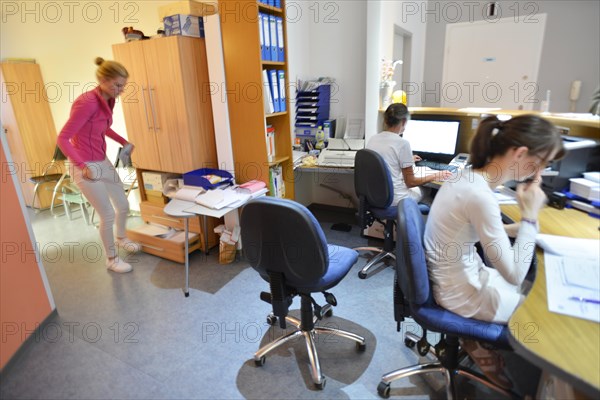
x,y
340,152
582,155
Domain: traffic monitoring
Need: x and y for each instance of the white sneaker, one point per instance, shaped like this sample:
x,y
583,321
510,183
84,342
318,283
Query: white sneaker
x,y
128,245
118,265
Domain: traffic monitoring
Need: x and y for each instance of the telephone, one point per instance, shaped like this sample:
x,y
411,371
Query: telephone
x,y
460,160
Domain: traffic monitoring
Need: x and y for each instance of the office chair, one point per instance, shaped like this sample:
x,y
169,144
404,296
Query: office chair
x,y
375,192
284,243
47,177
413,298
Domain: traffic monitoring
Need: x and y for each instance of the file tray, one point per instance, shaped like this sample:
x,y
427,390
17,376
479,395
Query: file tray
x,y
200,178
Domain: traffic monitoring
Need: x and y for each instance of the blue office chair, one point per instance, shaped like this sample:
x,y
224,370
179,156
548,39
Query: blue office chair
x,y
285,244
413,298
375,192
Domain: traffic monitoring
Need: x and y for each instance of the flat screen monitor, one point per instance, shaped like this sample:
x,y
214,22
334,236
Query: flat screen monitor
x,y
432,138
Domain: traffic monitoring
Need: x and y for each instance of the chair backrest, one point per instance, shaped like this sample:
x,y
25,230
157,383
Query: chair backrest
x,y
411,264
372,180
283,236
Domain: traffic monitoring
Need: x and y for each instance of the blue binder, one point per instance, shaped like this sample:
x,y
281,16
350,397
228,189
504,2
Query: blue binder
x,y
281,85
280,41
264,19
274,86
261,32
273,33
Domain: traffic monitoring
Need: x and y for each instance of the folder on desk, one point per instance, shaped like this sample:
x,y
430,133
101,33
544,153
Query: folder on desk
x,y
273,34
274,86
280,41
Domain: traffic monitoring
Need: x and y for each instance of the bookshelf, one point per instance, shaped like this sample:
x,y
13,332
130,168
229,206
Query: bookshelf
x,y
244,65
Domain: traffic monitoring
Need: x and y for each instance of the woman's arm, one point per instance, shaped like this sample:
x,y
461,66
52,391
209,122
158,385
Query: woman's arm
x,y
411,180
116,137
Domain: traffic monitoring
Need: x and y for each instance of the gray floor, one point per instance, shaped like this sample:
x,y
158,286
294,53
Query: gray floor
x,y
135,336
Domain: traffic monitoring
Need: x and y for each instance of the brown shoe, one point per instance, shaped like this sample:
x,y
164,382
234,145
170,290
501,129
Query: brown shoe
x,y
489,361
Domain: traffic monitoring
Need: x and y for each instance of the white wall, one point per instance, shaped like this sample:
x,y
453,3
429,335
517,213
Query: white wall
x,y
66,37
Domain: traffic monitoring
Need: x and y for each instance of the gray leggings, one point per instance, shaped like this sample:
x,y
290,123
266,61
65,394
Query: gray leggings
x,y
106,194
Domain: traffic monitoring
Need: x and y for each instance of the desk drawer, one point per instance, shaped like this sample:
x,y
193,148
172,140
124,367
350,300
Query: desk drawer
x,y
172,249
154,213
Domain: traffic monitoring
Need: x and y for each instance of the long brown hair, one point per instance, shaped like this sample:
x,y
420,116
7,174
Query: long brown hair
x,y
495,138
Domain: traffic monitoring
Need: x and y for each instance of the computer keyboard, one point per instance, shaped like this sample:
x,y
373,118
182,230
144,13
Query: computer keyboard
x,y
436,165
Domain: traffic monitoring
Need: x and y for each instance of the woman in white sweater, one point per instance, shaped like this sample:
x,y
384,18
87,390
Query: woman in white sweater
x,y
465,211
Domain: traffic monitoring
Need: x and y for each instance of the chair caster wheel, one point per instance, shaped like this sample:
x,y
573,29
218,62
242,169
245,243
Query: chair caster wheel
x,y
321,385
383,390
409,343
362,275
271,320
260,362
361,346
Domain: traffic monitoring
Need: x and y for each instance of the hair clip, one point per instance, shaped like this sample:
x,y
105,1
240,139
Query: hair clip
x,y
495,131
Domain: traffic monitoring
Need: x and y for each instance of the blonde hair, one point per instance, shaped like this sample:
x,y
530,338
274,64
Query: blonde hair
x,y
110,69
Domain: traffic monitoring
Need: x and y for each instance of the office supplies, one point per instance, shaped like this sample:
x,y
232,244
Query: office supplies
x,y
336,158
461,160
207,178
579,159
252,186
273,35
264,25
261,33
584,300
433,138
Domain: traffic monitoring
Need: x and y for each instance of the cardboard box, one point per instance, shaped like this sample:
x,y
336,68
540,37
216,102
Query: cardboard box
x,y
184,25
190,7
156,180
156,197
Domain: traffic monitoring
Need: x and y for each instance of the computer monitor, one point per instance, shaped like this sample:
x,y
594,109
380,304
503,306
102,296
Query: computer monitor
x,y
433,138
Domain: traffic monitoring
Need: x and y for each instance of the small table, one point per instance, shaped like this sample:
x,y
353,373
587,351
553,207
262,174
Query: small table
x,y
187,209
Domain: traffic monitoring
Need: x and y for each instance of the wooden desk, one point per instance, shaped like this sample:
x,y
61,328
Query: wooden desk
x,y
567,347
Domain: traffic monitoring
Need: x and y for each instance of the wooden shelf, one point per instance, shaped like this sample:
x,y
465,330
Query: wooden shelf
x,y
278,160
269,9
277,114
272,63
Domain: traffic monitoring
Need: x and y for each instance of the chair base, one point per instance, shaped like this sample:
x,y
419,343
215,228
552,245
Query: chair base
x,y
371,267
383,389
309,337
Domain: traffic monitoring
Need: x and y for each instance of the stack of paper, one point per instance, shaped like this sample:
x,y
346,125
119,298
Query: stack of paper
x,y
218,199
572,275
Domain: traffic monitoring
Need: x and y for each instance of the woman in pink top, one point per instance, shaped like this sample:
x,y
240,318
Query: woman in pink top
x,y
82,140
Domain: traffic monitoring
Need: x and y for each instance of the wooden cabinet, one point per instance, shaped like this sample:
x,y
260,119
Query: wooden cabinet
x,y
240,28
167,104
29,126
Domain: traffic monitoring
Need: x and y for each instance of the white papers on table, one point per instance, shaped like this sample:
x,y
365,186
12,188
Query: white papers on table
x,y
218,199
572,275
505,195
188,193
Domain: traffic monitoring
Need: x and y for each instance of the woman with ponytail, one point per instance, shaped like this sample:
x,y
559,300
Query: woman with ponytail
x,y
465,211
398,155
82,140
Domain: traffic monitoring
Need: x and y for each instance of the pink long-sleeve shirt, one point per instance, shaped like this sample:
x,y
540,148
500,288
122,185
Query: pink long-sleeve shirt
x,y
82,139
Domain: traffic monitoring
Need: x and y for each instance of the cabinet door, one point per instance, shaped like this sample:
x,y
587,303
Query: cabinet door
x,y
137,107
177,71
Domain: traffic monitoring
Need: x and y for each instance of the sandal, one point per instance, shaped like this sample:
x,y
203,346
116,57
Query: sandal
x,y
489,361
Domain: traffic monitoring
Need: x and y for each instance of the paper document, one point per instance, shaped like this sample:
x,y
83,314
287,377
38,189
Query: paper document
x,y
188,193
218,199
566,246
573,286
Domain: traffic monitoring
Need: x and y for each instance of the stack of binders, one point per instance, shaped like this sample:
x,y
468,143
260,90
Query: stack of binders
x,y
274,90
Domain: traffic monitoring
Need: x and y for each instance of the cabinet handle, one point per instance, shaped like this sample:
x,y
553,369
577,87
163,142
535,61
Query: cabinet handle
x,y
145,108
153,247
152,105
166,219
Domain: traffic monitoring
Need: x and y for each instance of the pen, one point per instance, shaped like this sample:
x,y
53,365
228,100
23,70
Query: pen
x,y
584,300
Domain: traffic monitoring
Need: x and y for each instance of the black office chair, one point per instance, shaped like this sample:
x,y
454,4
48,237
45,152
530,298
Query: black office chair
x,y
285,244
51,173
413,298
375,192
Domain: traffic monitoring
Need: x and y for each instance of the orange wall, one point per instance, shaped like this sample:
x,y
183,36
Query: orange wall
x,y
24,302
